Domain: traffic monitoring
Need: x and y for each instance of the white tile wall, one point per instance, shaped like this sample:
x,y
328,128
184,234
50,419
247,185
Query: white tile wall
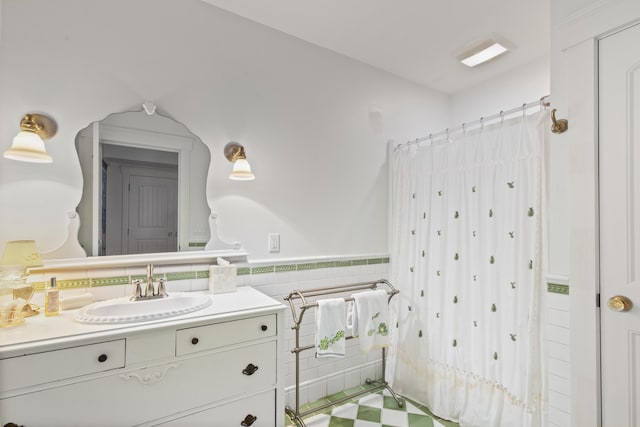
x,y
320,377
558,359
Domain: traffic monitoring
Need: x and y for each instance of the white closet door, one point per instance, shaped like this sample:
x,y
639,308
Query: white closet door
x,y
619,157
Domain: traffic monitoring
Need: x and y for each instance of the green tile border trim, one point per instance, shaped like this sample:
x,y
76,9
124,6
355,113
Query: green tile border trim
x,y
262,270
288,267
243,271
310,266
106,281
181,275
197,244
555,288
204,274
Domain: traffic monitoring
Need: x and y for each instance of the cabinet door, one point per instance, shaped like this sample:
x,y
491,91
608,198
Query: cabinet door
x,y
255,411
134,397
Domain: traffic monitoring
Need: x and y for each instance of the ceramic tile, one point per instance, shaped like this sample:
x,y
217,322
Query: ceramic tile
x,y
371,411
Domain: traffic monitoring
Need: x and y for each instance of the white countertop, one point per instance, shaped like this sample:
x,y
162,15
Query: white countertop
x,y
39,331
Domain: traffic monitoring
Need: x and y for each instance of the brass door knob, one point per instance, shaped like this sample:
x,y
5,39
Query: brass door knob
x,y
619,303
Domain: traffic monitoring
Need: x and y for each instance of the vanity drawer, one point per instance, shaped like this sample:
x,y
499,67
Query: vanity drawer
x,y
201,338
41,368
261,406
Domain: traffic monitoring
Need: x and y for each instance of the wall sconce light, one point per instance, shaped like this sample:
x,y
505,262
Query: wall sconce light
x,y
234,152
28,144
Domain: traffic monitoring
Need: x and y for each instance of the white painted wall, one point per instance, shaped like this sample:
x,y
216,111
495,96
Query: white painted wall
x,y
521,85
308,118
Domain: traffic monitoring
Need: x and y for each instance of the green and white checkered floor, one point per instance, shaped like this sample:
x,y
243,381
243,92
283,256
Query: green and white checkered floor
x,y
376,410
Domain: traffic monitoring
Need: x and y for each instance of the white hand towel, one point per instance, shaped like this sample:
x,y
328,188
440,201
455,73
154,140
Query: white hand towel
x,y
330,325
351,322
371,319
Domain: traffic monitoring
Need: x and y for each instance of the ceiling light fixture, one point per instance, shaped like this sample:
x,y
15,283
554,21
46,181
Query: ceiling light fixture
x,y
485,51
28,144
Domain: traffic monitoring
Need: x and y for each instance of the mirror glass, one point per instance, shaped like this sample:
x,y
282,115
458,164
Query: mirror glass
x,y
144,186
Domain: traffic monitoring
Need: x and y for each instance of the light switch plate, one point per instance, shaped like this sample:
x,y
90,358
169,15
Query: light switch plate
x,y
274,243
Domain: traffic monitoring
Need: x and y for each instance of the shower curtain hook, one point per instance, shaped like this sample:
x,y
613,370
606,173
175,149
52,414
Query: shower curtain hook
x,y
430,139
481,123
464,129
524,110
501,117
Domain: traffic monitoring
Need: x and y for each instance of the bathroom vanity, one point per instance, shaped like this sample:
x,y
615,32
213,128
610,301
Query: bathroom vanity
x,y
219,366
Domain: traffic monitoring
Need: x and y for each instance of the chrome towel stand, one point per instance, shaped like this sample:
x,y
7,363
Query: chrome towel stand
x,y
298,314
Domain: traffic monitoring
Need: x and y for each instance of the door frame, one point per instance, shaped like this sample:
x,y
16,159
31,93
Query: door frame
x,y
575,91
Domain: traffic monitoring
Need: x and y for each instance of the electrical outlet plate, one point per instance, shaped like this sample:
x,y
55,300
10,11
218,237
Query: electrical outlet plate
x,y
274,242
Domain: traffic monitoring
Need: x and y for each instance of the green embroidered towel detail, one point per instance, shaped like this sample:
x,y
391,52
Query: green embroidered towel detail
x,y
326,341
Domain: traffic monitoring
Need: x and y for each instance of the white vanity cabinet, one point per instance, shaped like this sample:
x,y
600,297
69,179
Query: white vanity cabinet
x,y
213,369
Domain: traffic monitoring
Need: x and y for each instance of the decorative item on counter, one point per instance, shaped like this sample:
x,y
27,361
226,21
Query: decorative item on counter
x,y
75,301
18,256
222,277
11,313
52,299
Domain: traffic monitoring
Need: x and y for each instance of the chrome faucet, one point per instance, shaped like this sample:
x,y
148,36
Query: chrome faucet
x,y
150,292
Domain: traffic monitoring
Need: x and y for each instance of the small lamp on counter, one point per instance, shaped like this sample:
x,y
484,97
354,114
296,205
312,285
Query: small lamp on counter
x,y
18,256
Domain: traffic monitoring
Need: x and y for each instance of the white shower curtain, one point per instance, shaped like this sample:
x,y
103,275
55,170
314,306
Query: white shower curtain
x,y
467,255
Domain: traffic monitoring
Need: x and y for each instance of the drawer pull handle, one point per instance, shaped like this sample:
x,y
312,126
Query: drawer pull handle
x,y
194,341
264,328
248,420
250,369
102,358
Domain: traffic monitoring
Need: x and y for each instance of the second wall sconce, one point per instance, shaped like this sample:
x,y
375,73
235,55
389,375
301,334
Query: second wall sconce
x,y
28,144
234,152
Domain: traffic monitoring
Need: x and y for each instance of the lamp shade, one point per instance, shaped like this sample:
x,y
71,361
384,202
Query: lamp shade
x,y
241,171
28,147
21,253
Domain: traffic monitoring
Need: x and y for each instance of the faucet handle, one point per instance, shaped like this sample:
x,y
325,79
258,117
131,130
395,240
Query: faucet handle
x,y
161,288
137,289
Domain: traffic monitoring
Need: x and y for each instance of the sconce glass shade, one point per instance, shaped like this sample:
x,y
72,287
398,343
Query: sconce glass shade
x,y
234,152
21,253
241,171
28,147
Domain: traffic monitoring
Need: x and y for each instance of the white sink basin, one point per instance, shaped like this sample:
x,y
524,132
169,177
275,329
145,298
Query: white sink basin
x,y
123,310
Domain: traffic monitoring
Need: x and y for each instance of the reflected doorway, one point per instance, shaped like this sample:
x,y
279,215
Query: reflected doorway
x,y
139,201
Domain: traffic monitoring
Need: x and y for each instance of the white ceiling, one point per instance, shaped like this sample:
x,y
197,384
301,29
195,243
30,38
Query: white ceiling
x,y
414,39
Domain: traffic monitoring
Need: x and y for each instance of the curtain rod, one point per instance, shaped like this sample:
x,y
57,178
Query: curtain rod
x,y
542,102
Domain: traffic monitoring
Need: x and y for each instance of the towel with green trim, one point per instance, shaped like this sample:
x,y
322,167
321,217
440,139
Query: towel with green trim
x,y
330,326
371,319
